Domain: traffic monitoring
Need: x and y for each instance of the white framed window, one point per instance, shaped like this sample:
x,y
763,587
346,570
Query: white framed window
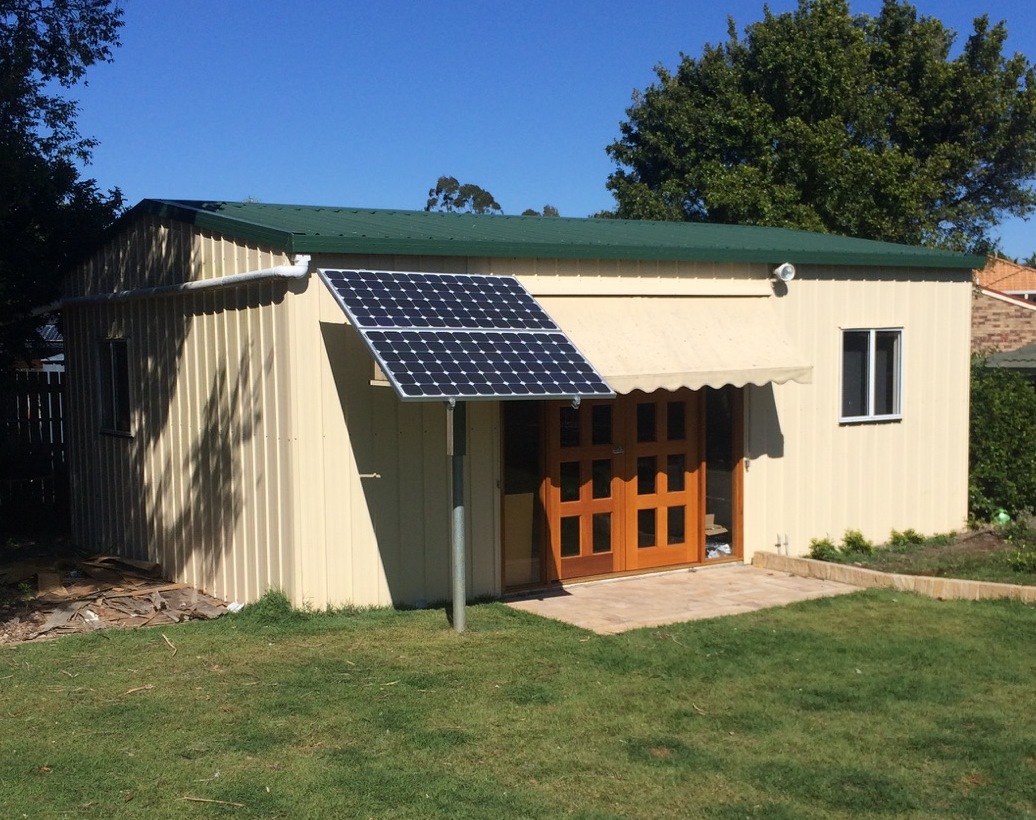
x,y
115,386
872,374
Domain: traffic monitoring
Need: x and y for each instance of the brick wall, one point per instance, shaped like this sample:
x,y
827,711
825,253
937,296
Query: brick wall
x,y
1000,322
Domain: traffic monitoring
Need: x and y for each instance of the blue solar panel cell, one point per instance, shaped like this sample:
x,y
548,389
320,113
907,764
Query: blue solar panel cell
x,y
440,336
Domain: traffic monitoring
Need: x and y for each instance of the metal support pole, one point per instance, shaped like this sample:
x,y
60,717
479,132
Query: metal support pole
x,y
457,435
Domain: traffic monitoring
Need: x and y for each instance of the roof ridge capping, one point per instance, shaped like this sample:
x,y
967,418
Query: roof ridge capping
x,y
343,229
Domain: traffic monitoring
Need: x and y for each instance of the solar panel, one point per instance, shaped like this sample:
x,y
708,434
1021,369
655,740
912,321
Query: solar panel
x,y
461,336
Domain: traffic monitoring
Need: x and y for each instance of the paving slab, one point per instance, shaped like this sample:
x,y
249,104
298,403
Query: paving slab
x,y
615,605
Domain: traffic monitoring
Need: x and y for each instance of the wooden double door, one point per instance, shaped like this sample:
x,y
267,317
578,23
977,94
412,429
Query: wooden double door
x,y
625,484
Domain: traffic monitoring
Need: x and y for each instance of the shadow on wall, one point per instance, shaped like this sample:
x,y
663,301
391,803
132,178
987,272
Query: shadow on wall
x,y
765,437
407,506
198,407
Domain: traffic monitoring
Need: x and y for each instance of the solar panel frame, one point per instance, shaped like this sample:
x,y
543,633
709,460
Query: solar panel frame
x,y
462,337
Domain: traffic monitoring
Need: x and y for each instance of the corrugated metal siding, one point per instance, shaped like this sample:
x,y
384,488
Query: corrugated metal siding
x,y
384,539
203,485
584,277
256,419
810,477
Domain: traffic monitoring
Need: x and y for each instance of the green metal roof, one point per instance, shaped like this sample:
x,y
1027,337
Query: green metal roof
x,y
317,229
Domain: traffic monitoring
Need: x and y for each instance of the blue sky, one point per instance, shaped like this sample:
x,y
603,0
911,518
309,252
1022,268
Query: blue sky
x,y
366,103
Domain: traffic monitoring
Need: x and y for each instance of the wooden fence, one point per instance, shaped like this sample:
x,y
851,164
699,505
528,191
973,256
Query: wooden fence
x,y
33,472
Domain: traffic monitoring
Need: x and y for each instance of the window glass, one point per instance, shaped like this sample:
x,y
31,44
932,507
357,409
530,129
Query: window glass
x,y
676,469
886,372
646,528
602,477
115,400
601,424
569,426
647,469
602,524
871,369
675,525
570,536
646,422
676,426
855,345
571,480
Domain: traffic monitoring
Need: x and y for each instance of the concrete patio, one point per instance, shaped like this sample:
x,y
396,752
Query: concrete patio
x,y
616,605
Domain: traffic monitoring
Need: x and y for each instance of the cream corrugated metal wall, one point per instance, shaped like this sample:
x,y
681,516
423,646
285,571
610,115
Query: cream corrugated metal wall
x,y
374,487
809,476
254,419
256,423
204,484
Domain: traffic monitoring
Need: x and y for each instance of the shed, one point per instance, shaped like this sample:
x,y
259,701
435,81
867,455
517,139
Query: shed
x,y
230,422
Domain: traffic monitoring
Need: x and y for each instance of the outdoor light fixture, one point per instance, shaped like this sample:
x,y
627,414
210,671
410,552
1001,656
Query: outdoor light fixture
x,y
784,272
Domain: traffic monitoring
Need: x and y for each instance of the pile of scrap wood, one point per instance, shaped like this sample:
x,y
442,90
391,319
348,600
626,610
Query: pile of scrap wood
x,y
102,592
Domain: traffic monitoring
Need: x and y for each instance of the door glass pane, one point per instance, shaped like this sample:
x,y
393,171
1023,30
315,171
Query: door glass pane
x,y
676,471
675,518
569,426
602,477
569,536
602,532
601,424
571,480
720,461
647,466
646,528
676,421
646,423
522,475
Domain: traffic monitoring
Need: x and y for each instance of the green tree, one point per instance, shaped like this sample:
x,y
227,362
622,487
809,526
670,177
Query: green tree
x,y
451,196
822,120
1003,441
49,214
548,210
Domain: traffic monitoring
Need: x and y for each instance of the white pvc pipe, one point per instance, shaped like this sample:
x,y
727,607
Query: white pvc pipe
x,y
298,270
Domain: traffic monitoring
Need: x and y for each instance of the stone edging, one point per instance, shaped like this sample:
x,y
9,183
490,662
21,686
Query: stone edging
x,y
940,588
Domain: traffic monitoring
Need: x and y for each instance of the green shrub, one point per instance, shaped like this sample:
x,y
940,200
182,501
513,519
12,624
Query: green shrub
x,y
1020,533
1002,443
1023,560
905,538
853,543
823,549
1019,530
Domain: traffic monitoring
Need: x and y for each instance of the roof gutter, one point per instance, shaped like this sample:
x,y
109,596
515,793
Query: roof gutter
x,y
298,270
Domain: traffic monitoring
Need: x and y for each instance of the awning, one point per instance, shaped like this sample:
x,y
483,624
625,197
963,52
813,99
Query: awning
x,y
652,343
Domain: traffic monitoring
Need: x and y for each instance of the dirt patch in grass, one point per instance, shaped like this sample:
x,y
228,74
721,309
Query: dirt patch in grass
x,y
47,589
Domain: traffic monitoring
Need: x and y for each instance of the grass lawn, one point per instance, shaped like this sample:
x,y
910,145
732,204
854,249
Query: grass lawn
x,y
877,704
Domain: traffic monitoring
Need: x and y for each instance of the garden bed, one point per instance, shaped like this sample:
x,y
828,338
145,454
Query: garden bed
x,y
983,554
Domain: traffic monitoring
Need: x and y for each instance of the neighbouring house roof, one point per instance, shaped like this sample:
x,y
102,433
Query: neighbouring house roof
x,y
317,229
1024,358
1005,276
1015,301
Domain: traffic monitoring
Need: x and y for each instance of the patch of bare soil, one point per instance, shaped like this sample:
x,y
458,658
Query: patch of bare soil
x,y
974,543
47,591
